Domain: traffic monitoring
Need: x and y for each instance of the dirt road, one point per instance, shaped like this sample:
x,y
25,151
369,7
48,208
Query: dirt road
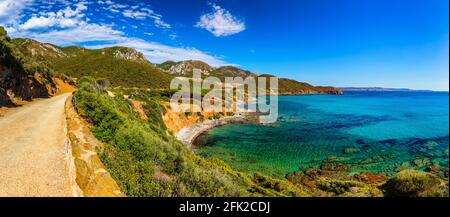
x,y
34,154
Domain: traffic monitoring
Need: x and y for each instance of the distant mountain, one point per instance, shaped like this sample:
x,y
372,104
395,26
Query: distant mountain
x,y
375,89
285,86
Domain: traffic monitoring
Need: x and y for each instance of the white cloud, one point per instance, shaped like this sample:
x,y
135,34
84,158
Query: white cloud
x,y
160,23
80,34
71,26
63,18
145,13
220,22
135,14
10,10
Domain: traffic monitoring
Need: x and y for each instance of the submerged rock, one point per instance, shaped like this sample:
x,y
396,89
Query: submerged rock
x,y
421,162
331,159
351,150
330,167
430,145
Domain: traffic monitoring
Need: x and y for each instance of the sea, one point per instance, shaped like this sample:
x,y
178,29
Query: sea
x,y
368,131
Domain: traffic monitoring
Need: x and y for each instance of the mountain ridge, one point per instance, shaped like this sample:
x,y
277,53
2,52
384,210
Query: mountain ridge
x,y
127,67
378,89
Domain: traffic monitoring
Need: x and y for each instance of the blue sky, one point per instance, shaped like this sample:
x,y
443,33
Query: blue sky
x,y
395,43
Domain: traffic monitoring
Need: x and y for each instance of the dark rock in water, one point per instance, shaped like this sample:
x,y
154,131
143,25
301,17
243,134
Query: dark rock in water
x,y
421,162
404,166
351,150
331,159
374,159
330,167
430,145
390,142
371,178
360,141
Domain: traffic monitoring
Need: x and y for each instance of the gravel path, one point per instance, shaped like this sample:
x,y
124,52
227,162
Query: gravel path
x,y
34,154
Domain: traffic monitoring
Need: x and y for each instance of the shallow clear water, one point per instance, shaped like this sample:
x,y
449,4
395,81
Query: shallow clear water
x,y
368,131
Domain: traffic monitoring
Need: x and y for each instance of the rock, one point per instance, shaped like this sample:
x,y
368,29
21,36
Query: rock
x,y
330,167
421,162
360,141
332,159
430,145
371,178
312,172
351,150
354,190
404,166
374,159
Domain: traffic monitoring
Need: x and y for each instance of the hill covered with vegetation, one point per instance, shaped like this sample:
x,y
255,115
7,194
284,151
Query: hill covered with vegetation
x,y
119,65
285,86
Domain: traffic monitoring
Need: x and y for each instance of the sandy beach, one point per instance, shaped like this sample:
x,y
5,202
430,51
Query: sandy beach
x,y
188,134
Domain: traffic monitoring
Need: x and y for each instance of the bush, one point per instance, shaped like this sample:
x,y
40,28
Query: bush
x,y
413,183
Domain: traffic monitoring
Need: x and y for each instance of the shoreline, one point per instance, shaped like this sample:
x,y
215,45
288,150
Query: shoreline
x,y
189,134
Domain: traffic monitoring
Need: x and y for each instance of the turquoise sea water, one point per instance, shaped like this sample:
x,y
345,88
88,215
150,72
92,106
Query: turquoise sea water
x,y
368,131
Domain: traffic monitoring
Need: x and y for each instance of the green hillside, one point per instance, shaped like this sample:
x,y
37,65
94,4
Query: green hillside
x,y
120,72
120,65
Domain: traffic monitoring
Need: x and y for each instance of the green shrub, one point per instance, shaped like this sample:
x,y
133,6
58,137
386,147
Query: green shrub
x,y
413,183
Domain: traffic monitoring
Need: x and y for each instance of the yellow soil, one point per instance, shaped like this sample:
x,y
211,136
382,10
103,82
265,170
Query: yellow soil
x,y
64,87
139,109
175,121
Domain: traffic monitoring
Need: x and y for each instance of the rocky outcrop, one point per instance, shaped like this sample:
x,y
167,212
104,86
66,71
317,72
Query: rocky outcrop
x,y
37,49
21,77
91,175
126,54
187,67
